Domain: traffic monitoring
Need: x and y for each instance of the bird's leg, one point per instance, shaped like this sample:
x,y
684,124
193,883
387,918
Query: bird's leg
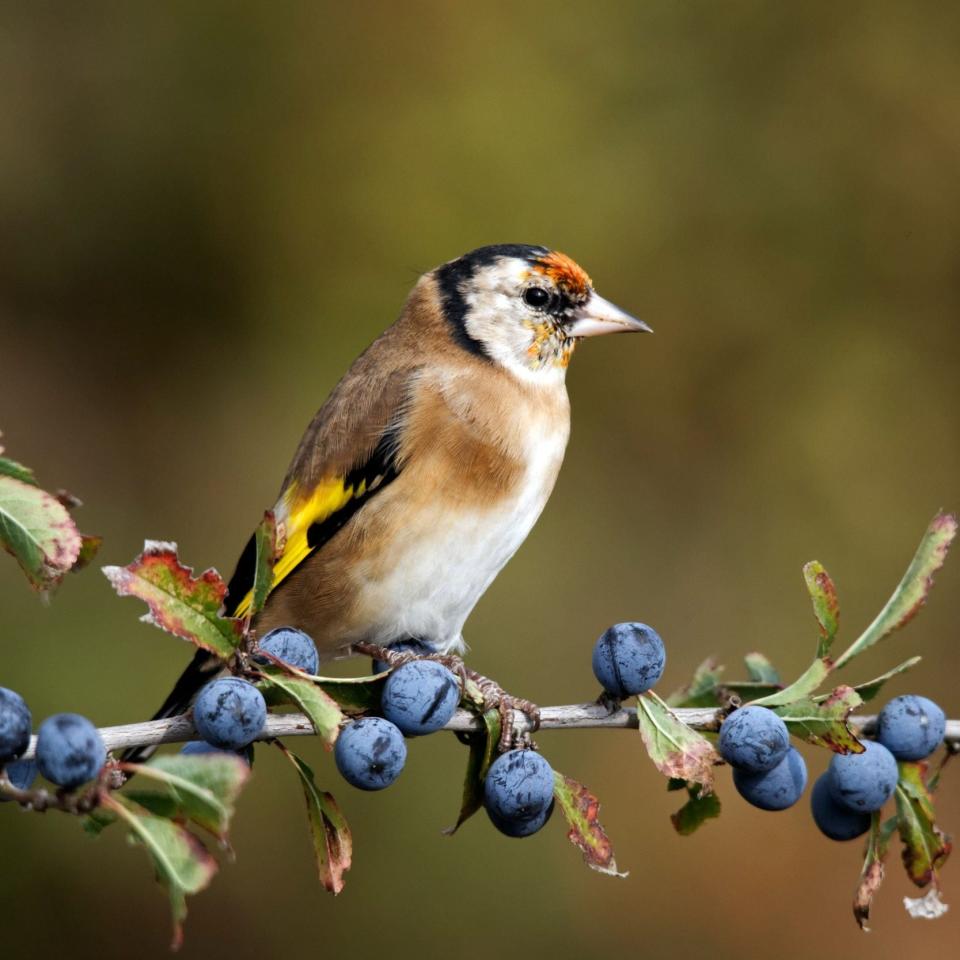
x,y
494,696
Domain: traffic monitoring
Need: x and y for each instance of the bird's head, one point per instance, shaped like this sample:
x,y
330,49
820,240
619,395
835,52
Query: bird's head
x,y
525,307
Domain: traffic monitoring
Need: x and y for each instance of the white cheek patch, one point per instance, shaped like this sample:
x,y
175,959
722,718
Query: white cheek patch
x,y
498,318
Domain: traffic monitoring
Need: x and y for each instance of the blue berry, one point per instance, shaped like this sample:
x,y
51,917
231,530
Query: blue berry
x,y
911,727
15,724
834,821
518,792
370,753
229,713
753,739
69,750
199,748
774,789
404,646
420,697
294,647
21,774
863,782
628,659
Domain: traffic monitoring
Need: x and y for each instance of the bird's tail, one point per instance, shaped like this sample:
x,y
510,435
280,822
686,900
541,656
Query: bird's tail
x,y
201,669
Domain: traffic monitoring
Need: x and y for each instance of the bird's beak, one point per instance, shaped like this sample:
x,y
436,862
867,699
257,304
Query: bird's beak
x,y
598,316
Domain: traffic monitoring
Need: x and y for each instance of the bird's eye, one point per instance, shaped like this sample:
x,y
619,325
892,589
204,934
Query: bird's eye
x,y
536,297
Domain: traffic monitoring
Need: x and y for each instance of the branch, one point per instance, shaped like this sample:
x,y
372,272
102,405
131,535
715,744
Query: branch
x,y
581,716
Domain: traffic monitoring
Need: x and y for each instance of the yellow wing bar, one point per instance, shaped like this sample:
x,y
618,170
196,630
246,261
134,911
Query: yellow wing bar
x,y
298,513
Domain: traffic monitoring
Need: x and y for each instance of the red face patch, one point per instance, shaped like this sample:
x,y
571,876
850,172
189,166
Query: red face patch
x,y
566,274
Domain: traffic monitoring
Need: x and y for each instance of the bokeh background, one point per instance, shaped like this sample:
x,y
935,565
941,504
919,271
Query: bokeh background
x,y
208,209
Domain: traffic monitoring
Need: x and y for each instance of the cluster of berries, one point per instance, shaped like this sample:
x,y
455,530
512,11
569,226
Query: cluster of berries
x,y
420,697
772,775
229,713
69,749
909,728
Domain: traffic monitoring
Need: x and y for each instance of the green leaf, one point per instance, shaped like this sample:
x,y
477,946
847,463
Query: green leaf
x,y
871,688
202,788
354,694
826,606
265,538
332,841
802,687
761,670
182,863
38,531
677,751
933,781
696,811
184,605
925,848
750,690
912,591
703,690
321,708
483,751
825,722
871,876
582,809
913,784
10,468
96,821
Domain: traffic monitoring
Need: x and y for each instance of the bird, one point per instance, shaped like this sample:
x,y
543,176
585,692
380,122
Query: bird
x,y
429,462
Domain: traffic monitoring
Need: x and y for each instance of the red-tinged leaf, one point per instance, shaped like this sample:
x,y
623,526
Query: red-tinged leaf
x,y
925,846
582,810
182,863
824,722
912,591
483,751
871,876
696,811
184,605
38,531
332,841
677,751
267,545
90,545
826,606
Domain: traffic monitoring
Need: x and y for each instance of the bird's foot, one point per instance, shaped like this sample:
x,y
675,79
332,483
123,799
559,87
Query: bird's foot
x,y
398,654
514,732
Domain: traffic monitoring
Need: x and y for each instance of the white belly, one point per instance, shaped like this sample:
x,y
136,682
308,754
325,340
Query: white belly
x,y
442,568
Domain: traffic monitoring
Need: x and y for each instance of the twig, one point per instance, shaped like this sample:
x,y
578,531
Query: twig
x,y
581,716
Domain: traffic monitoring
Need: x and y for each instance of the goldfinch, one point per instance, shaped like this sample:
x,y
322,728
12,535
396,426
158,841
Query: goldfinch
x,y
430,461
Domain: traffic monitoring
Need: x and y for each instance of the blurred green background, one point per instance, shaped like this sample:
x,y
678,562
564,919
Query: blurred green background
x,y
208,209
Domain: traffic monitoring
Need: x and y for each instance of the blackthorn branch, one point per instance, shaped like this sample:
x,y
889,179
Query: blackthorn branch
x,y
580,716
